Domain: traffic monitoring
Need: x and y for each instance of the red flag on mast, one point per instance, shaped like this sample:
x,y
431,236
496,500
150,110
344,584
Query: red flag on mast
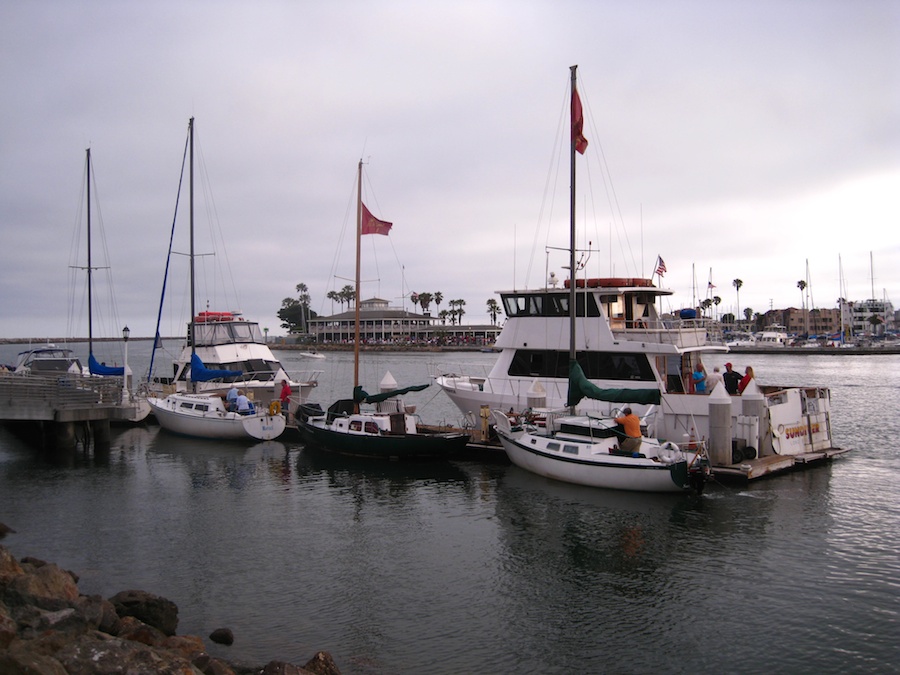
x,y
371,224
578,123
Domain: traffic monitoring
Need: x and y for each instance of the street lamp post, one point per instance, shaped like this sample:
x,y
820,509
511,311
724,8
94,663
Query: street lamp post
x,y
126,371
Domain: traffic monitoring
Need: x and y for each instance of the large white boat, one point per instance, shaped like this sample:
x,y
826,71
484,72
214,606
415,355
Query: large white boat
x,y
236,348
613,450
47,359
611,327
622,342
774,336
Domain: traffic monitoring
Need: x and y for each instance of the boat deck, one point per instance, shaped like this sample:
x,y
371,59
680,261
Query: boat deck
x,y
752,469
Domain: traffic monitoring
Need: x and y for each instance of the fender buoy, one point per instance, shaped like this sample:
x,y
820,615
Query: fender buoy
x,y
274,408
669,453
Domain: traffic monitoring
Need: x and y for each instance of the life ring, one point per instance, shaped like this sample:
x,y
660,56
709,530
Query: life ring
x,y
669,453
274,408
779,432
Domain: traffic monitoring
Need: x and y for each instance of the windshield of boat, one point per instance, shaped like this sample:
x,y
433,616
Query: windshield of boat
x,y
210,334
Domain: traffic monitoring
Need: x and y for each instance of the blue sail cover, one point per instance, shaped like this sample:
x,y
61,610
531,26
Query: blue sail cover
x,y
200,373
580,386
97,368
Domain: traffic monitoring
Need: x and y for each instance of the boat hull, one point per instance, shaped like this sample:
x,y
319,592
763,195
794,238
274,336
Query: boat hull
x,y
399,446
598,468
214,423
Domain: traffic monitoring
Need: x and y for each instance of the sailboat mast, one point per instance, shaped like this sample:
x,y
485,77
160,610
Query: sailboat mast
x,y
572,275
90,267
191,208
358,243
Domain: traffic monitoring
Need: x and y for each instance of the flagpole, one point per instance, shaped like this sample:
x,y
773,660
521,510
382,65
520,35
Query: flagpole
x,y
572,276
356,311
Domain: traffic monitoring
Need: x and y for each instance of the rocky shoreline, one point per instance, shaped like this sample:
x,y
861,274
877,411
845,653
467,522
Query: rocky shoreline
x,y
48,627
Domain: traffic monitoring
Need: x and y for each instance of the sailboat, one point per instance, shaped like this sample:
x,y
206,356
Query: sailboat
x,y
586,449
205,414
391,429
131,408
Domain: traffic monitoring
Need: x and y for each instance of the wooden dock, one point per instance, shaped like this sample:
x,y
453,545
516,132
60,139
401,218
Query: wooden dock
x,y
751,469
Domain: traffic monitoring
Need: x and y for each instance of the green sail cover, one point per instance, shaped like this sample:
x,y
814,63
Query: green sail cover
x,y
360,396
580,386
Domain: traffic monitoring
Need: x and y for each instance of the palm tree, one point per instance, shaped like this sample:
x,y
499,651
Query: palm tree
x,y
802,286
737,283
304,300
438,299
706,304
348,295
716,300
425,301
443,315
493,310
334,297
748,314
459,308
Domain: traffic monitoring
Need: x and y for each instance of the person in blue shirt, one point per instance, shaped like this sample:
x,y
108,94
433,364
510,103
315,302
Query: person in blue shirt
x,y
699,377
231,398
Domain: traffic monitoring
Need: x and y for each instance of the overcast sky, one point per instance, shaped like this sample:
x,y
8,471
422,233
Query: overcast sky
x,y
741,139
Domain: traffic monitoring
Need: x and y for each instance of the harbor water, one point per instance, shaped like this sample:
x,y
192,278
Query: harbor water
x,y
480,567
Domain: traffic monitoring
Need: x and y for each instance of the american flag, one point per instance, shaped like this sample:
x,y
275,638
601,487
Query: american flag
x,y
660,266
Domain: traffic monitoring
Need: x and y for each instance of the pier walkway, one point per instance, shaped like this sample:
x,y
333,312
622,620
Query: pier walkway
x,y
57,403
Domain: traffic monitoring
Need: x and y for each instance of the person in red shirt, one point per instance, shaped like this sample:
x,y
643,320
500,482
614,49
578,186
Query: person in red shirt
x,y
631,424
286,399
748,375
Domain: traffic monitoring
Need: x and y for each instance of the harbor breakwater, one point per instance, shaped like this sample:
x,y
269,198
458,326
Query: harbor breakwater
x,y
47,626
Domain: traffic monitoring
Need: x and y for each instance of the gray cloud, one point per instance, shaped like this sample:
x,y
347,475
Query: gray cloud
x,y
742,139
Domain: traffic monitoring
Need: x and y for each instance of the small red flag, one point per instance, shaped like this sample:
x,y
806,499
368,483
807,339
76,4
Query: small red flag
x,y
371,224
578,123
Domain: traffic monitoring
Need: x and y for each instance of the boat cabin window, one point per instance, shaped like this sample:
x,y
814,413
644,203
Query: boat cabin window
x,y
186,406
55,365
355,425
208,334
549,304
596,365
371,428
203,407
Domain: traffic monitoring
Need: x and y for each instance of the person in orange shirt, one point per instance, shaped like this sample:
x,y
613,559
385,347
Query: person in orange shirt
x,y
632,426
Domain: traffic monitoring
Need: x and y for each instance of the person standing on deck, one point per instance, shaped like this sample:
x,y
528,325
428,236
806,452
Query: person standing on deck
x,y
732,380
699,378
748,375
714,380
286,399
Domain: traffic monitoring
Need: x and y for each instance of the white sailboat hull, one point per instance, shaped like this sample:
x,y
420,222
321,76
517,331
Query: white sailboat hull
x,y
592,462
203,416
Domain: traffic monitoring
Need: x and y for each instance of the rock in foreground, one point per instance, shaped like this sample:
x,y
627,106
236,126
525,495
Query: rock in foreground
x,y
48,627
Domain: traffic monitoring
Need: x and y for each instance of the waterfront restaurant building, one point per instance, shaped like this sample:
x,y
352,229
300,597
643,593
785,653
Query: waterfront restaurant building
x,y
379,323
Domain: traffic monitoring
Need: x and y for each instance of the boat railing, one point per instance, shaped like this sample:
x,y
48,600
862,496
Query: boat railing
x,y
683,333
